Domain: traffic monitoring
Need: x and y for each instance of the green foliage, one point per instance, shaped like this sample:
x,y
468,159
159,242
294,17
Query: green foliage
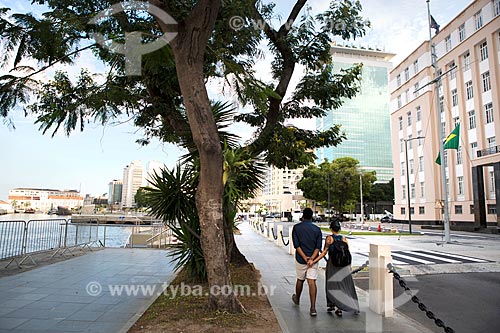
x,y
342,175
172,199
382,192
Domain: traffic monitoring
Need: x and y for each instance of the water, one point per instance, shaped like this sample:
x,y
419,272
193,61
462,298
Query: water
x,y
47,232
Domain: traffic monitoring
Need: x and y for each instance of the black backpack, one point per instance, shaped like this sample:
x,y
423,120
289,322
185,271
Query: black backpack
x,y
339,253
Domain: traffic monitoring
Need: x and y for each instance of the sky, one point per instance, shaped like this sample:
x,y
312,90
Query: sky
x,y
89,160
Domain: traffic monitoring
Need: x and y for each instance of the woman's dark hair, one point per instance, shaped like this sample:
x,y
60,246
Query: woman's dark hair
x,y
335,225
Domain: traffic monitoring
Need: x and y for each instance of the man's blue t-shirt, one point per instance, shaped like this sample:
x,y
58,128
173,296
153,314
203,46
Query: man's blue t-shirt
x,y
308,237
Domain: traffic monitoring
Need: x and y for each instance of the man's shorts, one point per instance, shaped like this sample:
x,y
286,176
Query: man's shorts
x,y
306,272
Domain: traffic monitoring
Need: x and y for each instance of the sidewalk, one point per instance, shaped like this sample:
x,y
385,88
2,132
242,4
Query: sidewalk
x,y
58,297
278,271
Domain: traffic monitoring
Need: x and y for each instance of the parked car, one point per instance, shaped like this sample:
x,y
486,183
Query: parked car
x,y
386,219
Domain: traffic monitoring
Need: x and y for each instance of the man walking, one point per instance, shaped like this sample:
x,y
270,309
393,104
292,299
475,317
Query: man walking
x,y
307,239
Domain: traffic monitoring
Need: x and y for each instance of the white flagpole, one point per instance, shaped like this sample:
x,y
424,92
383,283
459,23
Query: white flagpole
x,y
437,79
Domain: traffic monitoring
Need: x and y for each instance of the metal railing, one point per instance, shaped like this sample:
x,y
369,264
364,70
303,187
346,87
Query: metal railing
x,y
488,151
19,240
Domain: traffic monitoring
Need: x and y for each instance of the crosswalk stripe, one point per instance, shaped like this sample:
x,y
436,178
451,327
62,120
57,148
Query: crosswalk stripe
x,y
421,254
455,256
400,255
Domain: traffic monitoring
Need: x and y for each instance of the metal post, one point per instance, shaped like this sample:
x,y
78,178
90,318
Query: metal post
x,y
329,210
446,218
361,193
408,185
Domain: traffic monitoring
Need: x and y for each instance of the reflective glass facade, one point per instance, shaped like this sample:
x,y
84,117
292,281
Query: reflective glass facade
x,y
365,119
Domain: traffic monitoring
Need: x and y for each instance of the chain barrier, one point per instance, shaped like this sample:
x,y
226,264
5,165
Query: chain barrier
x,y
275,237
283,239
360,268
261,228
416,300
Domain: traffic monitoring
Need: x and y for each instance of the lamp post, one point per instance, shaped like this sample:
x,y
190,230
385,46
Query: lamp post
x,y
408,179
329,210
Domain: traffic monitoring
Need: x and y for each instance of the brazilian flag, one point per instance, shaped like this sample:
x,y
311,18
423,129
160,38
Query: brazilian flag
x,y
452,141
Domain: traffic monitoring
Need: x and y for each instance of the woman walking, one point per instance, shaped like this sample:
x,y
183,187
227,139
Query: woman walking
x,y
340,290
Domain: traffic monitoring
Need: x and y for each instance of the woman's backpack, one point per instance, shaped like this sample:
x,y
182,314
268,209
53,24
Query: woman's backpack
x,y
339,253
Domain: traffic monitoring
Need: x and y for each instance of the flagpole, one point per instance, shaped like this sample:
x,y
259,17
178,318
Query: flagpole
x,y
437,78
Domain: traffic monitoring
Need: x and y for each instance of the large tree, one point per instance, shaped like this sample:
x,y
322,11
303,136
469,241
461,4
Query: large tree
x,y
169,99
338,180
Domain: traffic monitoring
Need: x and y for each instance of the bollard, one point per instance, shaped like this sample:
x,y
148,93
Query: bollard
x,y
381,283
291,249
270,229
279,232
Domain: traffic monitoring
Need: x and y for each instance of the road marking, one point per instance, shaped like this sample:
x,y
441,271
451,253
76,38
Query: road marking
x,y
456,256
400,255
422,254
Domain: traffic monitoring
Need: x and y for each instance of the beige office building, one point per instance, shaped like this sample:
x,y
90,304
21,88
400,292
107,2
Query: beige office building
x,y
469,95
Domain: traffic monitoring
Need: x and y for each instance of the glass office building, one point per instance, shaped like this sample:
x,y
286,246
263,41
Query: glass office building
x,y
365,119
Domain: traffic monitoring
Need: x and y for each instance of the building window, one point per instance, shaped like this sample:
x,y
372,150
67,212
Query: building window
x,y
447,42
492,209
445,159
469,89
401,145
403,210
491,142
403,188
460,184
472,119
420,163
410,141
402,168
454,97
415,65
407,74
419,113
443,130
422,190
412,210
492,181
416,91
398,80
421,210
407,95
483,51
453,70
458,209
408,117
400,119
496,7
473,150
441,104
459,156
478,20
420,138
486,81
471,209
488,112
455,121
412,167
461,32
466,61
412,191
400,102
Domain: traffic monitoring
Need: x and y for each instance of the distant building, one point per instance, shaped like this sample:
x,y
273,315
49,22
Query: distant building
x,y
115,189
132,181
279,190
366,117
5,207
44,199
468,53
152,168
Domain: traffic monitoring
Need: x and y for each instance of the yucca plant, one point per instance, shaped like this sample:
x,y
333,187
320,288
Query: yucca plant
x,y
172,198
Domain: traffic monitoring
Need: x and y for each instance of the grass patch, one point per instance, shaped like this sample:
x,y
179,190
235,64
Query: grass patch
x,y
184,312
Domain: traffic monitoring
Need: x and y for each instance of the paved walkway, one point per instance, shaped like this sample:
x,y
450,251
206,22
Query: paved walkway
x,y
278,271
60,297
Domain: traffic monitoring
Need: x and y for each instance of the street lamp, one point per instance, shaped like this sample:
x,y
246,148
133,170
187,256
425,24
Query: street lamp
x,y
408,179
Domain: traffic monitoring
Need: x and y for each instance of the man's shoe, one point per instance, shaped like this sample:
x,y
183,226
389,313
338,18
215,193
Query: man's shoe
x,y
295,300
313,313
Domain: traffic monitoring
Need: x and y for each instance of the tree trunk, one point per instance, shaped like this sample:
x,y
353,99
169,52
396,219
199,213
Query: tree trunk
x,y
189,49
235,256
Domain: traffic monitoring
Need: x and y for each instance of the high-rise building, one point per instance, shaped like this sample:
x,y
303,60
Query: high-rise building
x,y
152,168
364,118
115,189
468,54
132,181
